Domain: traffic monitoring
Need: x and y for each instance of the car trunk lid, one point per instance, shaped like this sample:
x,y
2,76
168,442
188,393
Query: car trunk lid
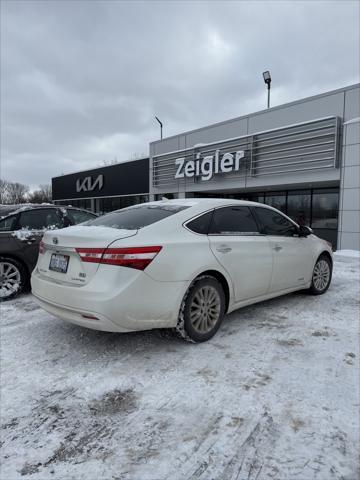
x,y
60,257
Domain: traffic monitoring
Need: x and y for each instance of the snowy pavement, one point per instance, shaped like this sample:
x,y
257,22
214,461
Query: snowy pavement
x,y
274,395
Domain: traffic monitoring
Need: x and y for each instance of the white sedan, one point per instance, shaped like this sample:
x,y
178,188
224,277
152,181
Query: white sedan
x,y
180,264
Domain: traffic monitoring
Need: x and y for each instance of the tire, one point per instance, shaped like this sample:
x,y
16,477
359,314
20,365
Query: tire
x,y
13,278
321,277
202,310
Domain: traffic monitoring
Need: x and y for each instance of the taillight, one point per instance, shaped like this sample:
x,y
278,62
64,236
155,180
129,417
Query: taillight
x,y
92,255
131,257
41,248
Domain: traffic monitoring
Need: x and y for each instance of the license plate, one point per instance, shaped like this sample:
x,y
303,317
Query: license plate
x,y
59,263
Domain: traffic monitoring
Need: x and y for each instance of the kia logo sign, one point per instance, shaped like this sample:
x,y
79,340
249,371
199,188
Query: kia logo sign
x,y
208,166
87,184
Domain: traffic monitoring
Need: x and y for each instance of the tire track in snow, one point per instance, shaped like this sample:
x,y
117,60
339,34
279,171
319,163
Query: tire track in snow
x,y
236,458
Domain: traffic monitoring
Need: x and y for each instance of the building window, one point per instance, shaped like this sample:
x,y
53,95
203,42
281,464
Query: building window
x,y
317,208
325,206
276,200
106,205
257,197
299,207
160,196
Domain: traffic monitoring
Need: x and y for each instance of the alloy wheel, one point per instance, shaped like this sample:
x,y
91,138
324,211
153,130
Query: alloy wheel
x,y
205,309
10,279
321,275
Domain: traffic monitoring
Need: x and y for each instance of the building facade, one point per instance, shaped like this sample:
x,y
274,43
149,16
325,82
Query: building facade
x,y
302,158
104,189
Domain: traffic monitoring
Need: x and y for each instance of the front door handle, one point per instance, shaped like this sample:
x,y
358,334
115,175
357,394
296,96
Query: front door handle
x,y
277,248
224,249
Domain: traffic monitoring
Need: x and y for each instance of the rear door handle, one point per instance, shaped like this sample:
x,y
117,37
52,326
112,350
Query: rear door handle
x,y
224,249
277,248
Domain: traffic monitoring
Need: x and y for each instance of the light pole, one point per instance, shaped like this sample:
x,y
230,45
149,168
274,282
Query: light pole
x,y
161,126
267,80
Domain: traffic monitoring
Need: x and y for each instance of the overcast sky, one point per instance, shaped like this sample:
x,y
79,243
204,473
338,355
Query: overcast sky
x,y
81,81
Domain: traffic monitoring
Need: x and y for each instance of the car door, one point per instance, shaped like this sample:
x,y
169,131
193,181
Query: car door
x,y
290,252
31,225
240,248
8,243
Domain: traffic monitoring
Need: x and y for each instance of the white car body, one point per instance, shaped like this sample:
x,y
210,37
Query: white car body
x,y
252,267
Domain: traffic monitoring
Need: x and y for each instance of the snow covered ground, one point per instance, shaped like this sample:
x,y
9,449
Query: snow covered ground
x,y
275,395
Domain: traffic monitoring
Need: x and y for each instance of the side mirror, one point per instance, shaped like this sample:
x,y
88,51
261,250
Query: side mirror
x,y
304,231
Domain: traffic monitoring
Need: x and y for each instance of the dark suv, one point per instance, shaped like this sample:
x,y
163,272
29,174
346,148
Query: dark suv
x,y
20,235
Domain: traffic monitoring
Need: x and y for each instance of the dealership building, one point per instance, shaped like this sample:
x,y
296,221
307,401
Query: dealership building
x,y
302,157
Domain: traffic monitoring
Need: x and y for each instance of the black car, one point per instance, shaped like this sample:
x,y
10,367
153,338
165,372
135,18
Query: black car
x,y
20,235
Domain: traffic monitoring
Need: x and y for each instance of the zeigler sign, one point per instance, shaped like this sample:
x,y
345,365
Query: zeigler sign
x,y
208,166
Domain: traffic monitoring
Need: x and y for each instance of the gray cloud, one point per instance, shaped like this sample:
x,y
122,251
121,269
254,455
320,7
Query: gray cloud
x,y
81,81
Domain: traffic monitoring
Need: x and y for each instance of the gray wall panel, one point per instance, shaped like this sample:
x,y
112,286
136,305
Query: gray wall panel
x,y
352,103
303,112
167,145
349,241
182,141
309,179
352,177
235,128
351,199
351,155
352,133
350,222
349,211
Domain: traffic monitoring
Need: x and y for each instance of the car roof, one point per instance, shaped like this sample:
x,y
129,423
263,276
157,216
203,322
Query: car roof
x,y
200,205
39,206
203,202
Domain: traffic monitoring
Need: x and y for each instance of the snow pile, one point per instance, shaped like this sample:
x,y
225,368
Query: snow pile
x,y
25,234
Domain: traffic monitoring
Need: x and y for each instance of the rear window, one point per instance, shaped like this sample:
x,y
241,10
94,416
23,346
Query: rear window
x,y
133,218
201,224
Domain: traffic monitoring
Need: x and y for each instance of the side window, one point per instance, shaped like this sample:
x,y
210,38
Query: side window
x,y
273,223
201,224
233,221
7,224
77,216
40,219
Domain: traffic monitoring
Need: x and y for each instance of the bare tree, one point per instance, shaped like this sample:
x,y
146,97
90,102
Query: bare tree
x,y
107,163
3,191
15,192
133,156
138,156
41,195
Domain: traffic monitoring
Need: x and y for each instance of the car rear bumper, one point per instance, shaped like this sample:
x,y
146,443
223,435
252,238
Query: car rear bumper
x,y
140,304
80,317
